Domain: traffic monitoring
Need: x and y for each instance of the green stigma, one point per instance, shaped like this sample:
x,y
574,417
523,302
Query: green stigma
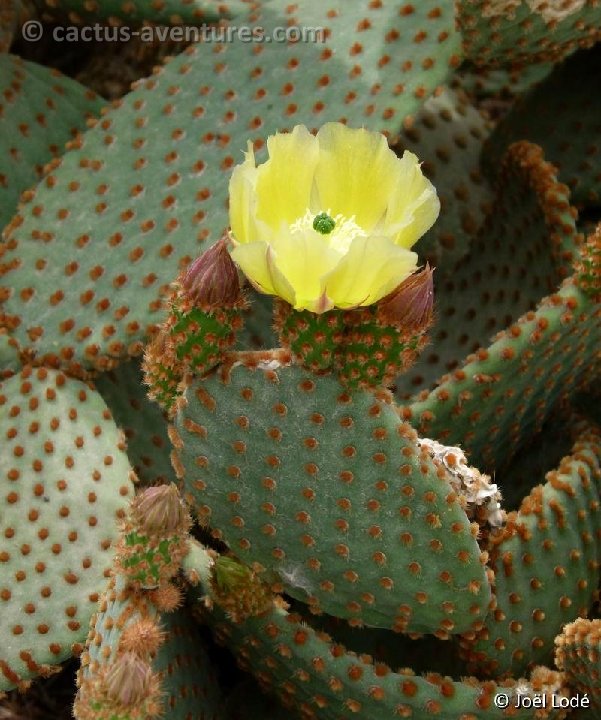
x,y
323,223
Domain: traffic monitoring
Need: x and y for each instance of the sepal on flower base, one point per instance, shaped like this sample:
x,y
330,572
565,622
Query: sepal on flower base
x,y
384,340
315,340
206,304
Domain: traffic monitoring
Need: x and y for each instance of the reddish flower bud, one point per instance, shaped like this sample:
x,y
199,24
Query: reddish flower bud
x,y
129,680
211,281
159,509
410,306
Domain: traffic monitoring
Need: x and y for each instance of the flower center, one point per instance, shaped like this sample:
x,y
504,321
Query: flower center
x,y
337,230
323,223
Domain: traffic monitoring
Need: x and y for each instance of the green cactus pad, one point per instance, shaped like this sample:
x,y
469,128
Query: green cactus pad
x,y
530,218
503,393
146,189
329,683
40,111
154,538
119,12
493,90
142,422
567,129
447,136
324,681
188,678
533,459
329,490
423,653
376,349
546,563
66,481
578,654
126,622
520,32
119,608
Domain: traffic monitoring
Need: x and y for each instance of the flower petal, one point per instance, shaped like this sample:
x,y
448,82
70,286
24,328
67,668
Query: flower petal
x,y
284,182
305,259
413,206
242,194
372,268
356,174
257,262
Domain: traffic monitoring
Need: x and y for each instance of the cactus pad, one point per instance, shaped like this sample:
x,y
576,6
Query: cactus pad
x,y
568,129
324,681
520,32
40,111
188,681
530,217
66,481
447,135
578,654
329,490
505,391
546,563
124,636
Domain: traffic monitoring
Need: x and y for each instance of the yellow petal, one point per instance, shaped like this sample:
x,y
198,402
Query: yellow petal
x,y
243,199
413,206
355,174
371,269
305,259
284,182
256,260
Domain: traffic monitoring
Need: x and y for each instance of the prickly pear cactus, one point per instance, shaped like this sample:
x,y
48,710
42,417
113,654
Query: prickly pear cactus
x,y
41,110
329,681
560,517
577,654
307,491
144,655
66,483
328,282
568,130
518,32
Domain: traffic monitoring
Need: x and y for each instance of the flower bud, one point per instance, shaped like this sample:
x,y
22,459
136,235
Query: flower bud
x,y
129,680
410,307
159,509
211,281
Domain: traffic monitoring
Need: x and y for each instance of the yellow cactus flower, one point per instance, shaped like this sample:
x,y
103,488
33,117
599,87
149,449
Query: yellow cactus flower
x,y
327,221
